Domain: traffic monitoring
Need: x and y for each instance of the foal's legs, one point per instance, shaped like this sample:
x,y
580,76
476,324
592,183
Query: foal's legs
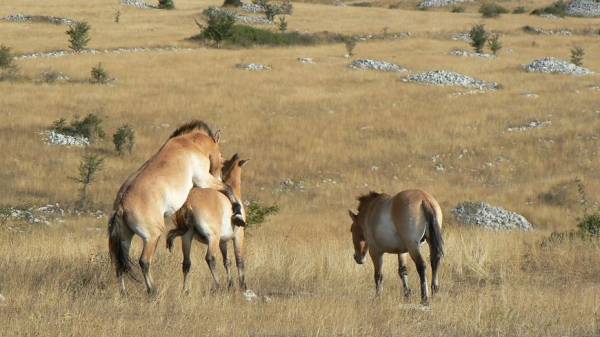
x,y
148,251
416,255
226,263
435,260
211,252
238,247
378,270
186,247
403,272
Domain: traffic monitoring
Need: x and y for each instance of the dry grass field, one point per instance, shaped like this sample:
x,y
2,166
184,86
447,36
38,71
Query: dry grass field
x,y
342,132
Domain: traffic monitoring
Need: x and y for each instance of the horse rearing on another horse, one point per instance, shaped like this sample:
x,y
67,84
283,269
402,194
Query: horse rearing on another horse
x,y
399,224
206,215
190,157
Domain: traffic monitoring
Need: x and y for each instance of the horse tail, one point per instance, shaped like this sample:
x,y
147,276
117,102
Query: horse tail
x,y
179,220
435,229
118,255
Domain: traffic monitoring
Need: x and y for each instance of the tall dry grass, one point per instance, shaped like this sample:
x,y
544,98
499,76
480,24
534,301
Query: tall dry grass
x,y
340,131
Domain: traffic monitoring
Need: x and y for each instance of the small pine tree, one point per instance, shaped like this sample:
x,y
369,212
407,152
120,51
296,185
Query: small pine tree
x,y
117,16
6,58
478,37
78,36
166,4
99,75
89,166
124,139
495,44
577,54
282,25
219,26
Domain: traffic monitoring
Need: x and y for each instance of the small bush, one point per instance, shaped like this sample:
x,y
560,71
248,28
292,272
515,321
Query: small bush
x,y
219,26
282,24
99,75
166,4
558,8
492,10
519,10
117,16
494,43
457,9
478,37
350,44
246,36
256,213
89,166
6,58
232,3
90,127
577,54
78,36
590,225
124,139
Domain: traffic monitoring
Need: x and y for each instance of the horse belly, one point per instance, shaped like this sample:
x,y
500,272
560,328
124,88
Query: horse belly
x,y
386,235
175,198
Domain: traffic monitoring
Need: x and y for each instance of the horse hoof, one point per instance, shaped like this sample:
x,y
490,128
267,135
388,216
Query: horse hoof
x,y
407,293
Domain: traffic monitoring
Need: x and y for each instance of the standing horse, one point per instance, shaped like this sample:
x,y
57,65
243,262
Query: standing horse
x,y
399,224
206,215
190,157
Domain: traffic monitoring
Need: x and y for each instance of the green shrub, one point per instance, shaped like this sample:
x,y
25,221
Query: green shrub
x,y
6,58
478,37
99,75
494,43
89,166
282,24
590,225
559,8
519,10
78,36
577,54
124,139
256,213
242,35
90,127
457,9
117,16
219,25
492,10
232,3
166,4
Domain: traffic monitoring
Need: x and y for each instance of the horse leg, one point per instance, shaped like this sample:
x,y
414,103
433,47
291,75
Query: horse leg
x,y
146,259
213,246
238,248
378,271
417,257
226,263
186,247
435,260
403,272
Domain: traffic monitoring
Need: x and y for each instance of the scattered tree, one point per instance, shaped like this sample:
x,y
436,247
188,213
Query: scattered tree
x,y
89,166
282,25
350,44
117,16
232,3
6,58
491,10
166,4
219,26
99,75
124,139
478,37
78,36
577,54
494,43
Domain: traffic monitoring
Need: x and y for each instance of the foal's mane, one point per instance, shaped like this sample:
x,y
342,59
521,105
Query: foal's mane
x,y
195,125
228,166
365,199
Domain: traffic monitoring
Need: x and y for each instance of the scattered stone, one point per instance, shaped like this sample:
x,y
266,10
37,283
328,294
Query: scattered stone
x,y
595,87
250,20
21,18
463,53
467,93
553,65
586,8
466,37
534,124
250,295
542,31
550,16
439,3
530,95
253,66
55,138
291,185
136,4
486,216
376,65
61,53
306,60
448,78
252,8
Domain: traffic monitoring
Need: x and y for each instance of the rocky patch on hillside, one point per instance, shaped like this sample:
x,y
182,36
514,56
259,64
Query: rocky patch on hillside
x,y
483,215
448,78
551,65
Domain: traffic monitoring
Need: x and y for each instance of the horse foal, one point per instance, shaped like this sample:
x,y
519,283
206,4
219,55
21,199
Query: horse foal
x,y
206,215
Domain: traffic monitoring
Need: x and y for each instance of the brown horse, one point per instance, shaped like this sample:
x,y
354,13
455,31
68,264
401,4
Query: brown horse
x,y
190,157
206,215
398,225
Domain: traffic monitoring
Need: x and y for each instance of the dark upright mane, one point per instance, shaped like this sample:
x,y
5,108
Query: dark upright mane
x,y
365,199
195,125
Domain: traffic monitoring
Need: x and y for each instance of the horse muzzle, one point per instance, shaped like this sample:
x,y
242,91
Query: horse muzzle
x,y
359,259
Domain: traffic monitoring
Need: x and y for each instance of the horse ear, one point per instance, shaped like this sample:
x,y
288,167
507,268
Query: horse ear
x,y
243,162
217,136
352,215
